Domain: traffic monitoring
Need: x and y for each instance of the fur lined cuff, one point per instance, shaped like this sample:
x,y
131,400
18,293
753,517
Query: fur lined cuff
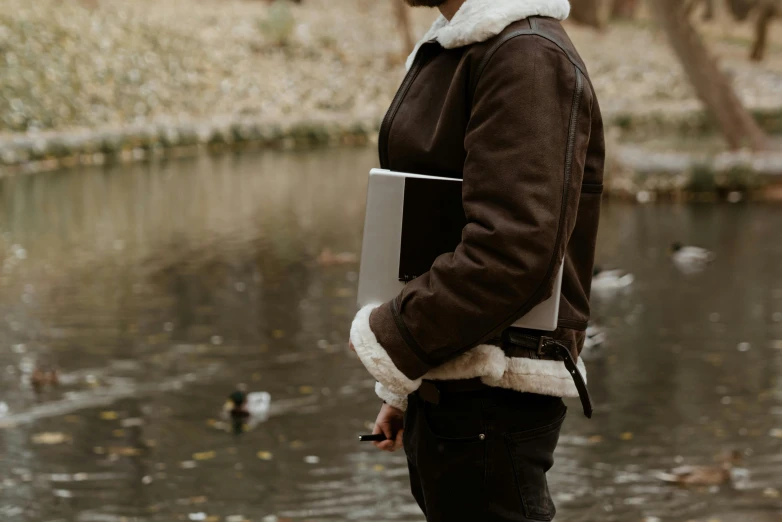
x,y
397,401
376,359
538,376
482,361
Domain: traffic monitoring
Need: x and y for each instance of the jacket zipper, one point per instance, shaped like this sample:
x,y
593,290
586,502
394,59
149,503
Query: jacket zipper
x,y
579,94
385,127
571,143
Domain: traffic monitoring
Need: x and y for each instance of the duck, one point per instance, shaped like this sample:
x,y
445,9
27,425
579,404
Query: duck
x,y
610,282
246,409
715,475
44,377
690,259
595,337
698,475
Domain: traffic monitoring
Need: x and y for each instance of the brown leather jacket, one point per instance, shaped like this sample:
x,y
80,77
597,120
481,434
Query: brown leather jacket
x,y
515,117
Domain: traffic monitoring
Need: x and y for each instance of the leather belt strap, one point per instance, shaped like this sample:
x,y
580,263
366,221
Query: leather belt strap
x,y
516,342
533,345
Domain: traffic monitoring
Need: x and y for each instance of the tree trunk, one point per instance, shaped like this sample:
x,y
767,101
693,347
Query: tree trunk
x,y
740,9
624,9
588,12
710,10
402,14
711,85
765,17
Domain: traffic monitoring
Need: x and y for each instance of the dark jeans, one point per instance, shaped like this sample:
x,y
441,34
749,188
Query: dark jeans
x,y
482,456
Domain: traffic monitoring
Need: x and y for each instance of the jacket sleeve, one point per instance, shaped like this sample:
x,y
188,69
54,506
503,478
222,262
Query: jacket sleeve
x,y
520,196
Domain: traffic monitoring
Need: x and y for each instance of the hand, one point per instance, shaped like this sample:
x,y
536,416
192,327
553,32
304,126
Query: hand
x,y
390,422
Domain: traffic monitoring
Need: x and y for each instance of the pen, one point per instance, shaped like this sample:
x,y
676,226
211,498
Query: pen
x,y
378,437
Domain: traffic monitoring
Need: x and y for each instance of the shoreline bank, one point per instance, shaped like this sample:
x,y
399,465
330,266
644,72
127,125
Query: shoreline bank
x,y
634,171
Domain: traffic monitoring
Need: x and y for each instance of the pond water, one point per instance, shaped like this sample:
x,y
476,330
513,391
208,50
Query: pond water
x,y
156,288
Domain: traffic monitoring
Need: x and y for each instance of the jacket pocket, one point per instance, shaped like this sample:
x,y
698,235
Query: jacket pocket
x,y
532,455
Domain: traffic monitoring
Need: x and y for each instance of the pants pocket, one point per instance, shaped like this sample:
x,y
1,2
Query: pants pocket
x,y
453,426
532,455
450,461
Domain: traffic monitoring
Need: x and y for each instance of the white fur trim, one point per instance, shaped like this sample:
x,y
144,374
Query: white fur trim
x,y
537,376
397,401
479,20
484,360
375,358
515,373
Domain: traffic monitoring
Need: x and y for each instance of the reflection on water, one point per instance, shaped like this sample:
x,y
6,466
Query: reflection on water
x,y
155,289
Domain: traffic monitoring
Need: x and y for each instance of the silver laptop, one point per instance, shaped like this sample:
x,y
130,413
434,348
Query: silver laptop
x,y
409,222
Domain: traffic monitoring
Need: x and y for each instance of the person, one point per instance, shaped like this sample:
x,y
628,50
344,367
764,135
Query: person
x,y
496,95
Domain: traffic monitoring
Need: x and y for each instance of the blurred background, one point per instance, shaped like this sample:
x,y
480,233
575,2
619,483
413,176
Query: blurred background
x,y
182,190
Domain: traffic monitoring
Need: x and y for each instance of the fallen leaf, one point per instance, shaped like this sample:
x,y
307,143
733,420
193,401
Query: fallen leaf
x,y
73,419
204,455
771,493
278,334
595,439
306,390
51,438
378,467
628,435
124,451
188,464
118,432
264,455
108,415
311,459
296,444
776,433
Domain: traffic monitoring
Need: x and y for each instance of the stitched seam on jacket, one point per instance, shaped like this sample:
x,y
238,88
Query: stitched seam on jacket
x,y
521,32
407,336
396,103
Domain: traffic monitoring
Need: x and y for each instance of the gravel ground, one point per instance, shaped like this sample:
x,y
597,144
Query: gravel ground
x,y
94,64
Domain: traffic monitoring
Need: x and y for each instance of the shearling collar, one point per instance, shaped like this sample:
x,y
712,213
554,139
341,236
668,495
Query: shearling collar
x,y
479,20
